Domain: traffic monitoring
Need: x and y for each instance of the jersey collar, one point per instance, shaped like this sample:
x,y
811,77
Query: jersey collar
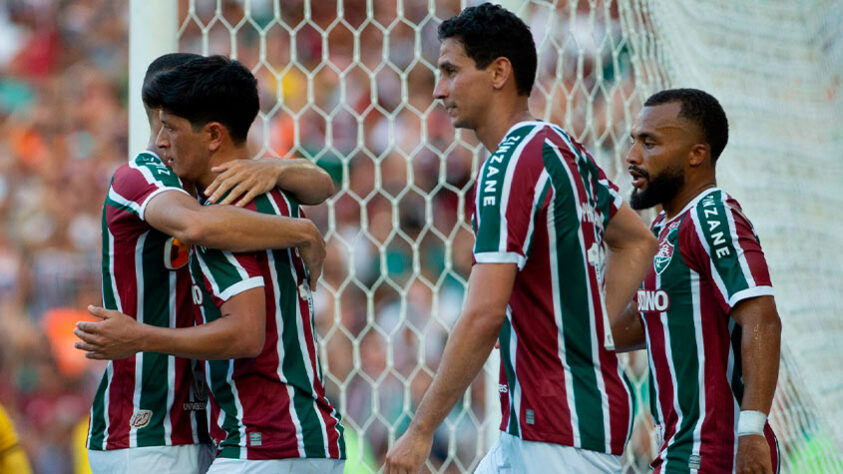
x,y
692,203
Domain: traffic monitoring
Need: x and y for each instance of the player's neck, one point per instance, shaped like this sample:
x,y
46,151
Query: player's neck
x,y
491,132
686,195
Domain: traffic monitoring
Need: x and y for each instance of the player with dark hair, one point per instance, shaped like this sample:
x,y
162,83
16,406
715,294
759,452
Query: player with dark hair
x,y
548,223
706,310
269,409
149,410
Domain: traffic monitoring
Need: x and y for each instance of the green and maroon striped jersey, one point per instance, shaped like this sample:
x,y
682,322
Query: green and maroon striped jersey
x,y
272,406
542,203
148,399
709,259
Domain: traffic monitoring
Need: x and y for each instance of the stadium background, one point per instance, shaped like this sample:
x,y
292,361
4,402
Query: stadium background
x,y
349,86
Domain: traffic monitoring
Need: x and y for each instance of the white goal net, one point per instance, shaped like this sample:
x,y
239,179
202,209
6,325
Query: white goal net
x,y
349,85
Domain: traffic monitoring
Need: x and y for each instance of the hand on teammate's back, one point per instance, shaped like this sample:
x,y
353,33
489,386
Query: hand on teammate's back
x,y
247,178
313,256
114,337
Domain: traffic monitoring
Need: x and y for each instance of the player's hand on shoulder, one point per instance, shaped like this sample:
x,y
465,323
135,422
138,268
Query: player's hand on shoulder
x,y
114,336
753,455
246,178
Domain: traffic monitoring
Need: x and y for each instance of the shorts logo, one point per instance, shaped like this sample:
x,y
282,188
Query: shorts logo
x,y
141,418
664,256
502,388
176,254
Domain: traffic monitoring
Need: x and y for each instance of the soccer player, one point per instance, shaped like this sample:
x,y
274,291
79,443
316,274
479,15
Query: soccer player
x,y
547,223
269,407
149,411
706,309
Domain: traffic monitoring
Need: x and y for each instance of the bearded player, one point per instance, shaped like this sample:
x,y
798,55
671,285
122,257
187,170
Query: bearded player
x,y
149,411
706,310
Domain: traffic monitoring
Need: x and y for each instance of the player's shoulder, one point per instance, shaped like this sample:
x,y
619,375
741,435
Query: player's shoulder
x,y
715,219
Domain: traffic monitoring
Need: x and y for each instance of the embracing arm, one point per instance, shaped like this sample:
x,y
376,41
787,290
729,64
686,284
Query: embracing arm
x,y
226,227
240,332
468,347
308,183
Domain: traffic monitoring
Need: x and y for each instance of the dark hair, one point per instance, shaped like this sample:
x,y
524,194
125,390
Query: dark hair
x,y
701,108
167,62
489,32
203,90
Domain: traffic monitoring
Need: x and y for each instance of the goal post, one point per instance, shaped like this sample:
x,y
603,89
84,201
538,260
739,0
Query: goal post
x,y
153,31
348,84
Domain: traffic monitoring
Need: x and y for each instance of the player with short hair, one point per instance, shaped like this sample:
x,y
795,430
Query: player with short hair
x,y
269,409
706,309
547,223
149,410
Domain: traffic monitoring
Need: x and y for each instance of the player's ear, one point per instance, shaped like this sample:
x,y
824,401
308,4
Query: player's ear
x,y
699,153
216,133
499,72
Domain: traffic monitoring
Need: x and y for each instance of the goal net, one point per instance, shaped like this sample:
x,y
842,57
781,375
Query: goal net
x,y
348,84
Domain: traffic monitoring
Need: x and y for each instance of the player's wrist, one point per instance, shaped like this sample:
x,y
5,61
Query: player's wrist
x,y
751,422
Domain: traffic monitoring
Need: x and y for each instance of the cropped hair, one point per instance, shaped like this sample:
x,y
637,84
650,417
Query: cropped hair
x,y
489,32
208,89
167,62
701,108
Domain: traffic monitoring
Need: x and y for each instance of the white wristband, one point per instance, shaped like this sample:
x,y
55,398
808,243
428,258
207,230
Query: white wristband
x,y
751,422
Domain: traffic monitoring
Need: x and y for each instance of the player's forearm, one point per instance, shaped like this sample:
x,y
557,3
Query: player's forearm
x,y
760,350
626,268
627,330
224,338
467,349
308,183
238,230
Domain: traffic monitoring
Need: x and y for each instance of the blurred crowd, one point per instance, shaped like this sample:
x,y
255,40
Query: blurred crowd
x,y
360,105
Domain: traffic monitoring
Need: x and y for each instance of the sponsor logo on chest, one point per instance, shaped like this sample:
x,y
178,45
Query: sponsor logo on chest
x,y
653,300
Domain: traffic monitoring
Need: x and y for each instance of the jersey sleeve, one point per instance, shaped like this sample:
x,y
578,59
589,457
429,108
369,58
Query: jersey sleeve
x,y
137,183
510,190
608,196
8,438
722,246
227,274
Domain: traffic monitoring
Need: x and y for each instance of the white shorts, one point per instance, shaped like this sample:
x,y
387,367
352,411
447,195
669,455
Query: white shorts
x,y
276,466
514,455
187,459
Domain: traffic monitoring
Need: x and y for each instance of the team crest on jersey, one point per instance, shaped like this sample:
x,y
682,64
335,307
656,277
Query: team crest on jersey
x,y
176,254
664,256
141,418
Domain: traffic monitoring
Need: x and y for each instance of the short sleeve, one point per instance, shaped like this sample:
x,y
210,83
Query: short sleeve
x,y
135,184
722,245
510,189
227,274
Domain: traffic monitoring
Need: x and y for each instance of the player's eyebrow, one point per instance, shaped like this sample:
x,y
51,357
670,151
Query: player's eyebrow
x,y
447,65
641,135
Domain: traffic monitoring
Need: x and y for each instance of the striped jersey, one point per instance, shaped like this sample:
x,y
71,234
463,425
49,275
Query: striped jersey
x,y
542,203
148,399
272,406
709,259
